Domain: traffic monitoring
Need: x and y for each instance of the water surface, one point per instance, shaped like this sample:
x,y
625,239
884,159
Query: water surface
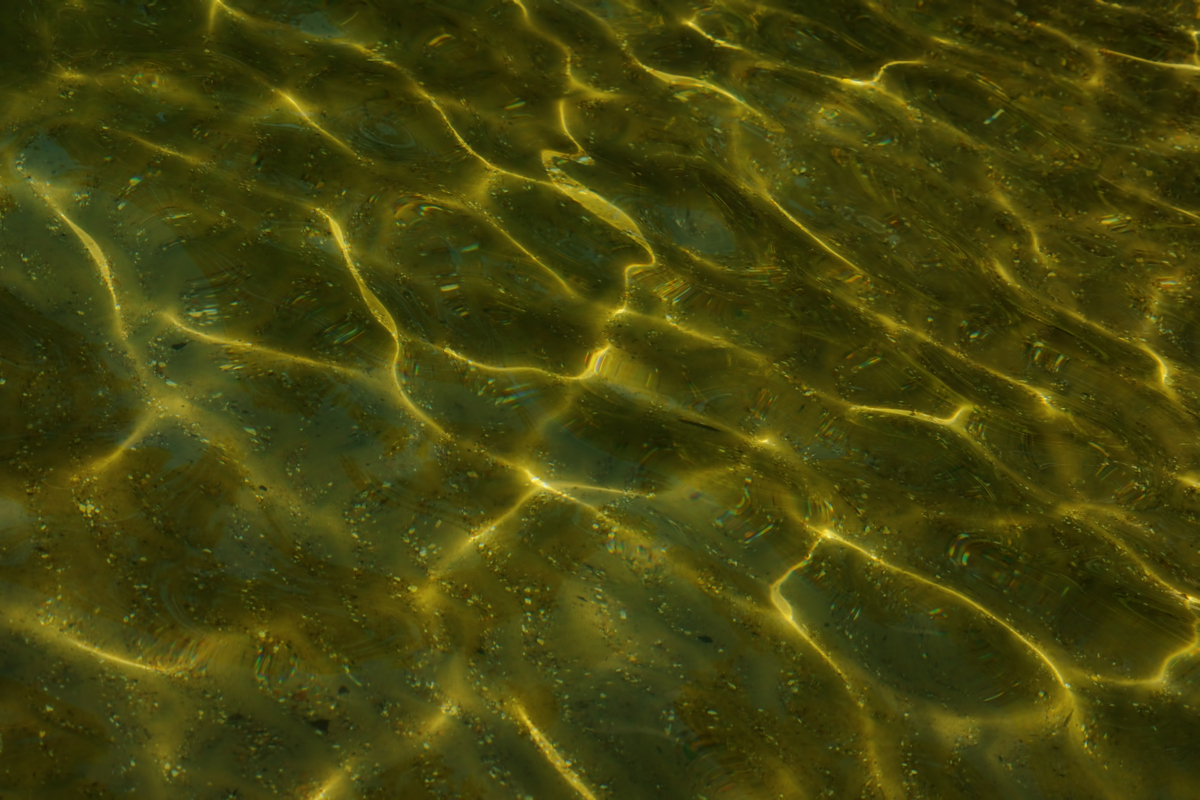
x,y
555,398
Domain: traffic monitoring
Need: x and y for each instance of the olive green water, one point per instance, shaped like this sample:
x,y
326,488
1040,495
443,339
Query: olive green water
x,y
599,399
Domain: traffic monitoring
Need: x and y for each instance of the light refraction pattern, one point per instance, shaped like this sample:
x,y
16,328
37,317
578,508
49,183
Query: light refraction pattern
x,y
599,399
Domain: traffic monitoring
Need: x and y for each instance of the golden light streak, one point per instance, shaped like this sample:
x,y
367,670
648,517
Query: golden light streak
x,y
874,82
560,764
283,355
102,265
789,616
691,23
104,655
954,421
384,318
144,425
311,122
829,535
1164,64
592,201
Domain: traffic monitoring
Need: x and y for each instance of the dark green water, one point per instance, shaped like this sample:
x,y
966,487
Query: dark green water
x,y
551,399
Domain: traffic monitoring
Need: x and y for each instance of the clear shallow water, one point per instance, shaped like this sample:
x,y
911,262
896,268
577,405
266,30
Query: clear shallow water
x,y
599,399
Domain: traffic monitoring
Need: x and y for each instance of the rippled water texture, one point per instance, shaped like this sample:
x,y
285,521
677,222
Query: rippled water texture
x,y
553,398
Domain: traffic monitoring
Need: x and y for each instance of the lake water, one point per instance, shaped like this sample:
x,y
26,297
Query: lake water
x,y
599,399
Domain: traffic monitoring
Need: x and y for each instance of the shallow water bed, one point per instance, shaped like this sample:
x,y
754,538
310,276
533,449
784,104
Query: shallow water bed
x,y
541,399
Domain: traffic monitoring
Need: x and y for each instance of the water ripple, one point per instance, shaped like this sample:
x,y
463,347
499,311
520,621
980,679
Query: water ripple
x,y
608,398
